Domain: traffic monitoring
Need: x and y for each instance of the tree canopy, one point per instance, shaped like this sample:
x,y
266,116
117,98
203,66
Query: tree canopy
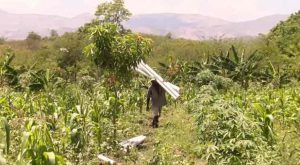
x,y
113,12
33,36
115,52
286,35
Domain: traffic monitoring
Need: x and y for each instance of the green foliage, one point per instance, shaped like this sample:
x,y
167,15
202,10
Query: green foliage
x,y
2,40
40,80
53,33
78,122
70,122
117,54
286,36
37,146
33,36
246,127
7,73
33,40
206,77
237,67
227,135
113,12
195,51
70,56
277,77
174,71
5,135
114,52
276,110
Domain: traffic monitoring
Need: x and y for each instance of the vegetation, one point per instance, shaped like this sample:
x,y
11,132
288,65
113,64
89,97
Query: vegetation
x,y
33,40
286,36
2,40
113,12
65,99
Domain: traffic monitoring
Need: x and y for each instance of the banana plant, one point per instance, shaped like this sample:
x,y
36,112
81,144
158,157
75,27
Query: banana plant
x,y
41,80
277,77
237,67
7,72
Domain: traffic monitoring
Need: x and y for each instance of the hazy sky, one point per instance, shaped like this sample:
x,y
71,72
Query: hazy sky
x,y
233,10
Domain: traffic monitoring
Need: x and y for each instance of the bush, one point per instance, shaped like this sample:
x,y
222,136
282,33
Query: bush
x,y
229,137
86,82
206,77
2,40
33,40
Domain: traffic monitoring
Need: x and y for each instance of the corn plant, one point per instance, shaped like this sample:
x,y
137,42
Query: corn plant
x,y
37,146
4,139
5,126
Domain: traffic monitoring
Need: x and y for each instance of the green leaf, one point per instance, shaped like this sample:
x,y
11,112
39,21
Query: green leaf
x,y
50,158
235,54
2,100
7,131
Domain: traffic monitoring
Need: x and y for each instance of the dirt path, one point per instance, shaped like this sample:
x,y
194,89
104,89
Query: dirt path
x,y
175,141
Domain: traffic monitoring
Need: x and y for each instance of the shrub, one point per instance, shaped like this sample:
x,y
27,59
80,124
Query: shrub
x,y
2,40
228,136
33,40
206,77
86,82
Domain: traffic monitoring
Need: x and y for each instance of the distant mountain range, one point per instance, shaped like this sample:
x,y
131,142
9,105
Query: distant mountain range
x,y
17,26
194,26
190,26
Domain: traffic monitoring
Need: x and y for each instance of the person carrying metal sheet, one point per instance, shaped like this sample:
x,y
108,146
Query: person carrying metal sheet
x,y
158,99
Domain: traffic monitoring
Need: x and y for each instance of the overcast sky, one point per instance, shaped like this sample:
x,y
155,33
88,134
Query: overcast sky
x,y
233,10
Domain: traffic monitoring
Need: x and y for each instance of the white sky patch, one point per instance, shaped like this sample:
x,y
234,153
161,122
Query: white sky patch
x,y
33,3
233,10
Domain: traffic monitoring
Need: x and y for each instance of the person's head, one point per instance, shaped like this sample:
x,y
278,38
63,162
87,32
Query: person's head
x,y
154,82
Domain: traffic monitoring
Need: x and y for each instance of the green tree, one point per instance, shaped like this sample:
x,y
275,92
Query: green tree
x,y
33,36
113,12
116,54
53,33
169,35
33,40
2,40
70,54
108,12
286,36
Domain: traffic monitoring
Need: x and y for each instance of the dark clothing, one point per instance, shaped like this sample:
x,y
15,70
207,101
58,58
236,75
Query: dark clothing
x,y
157,95
158,99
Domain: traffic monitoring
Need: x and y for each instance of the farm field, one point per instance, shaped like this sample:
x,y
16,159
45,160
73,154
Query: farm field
x,y
66,99
75,127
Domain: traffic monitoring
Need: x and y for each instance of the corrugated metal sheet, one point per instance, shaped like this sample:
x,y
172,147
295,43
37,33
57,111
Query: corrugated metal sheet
x,y
170,88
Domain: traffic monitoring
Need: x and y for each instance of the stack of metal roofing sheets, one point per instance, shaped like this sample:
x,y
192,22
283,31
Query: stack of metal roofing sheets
x,y
146,70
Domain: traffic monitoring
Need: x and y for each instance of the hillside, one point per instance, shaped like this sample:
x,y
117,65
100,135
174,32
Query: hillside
x,y
194,26
190,26
17,26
